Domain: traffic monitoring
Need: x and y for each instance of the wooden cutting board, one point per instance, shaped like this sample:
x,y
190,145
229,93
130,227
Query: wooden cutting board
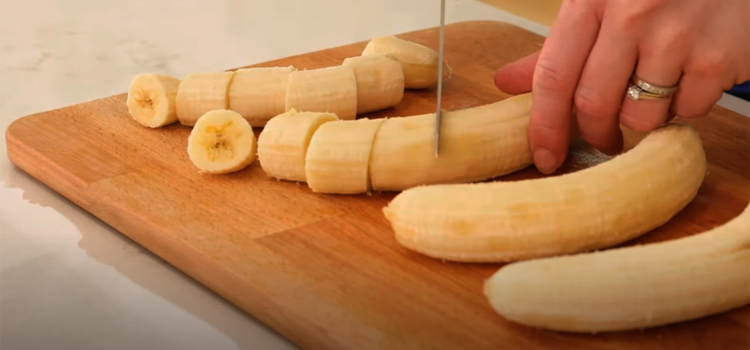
x,y
325,270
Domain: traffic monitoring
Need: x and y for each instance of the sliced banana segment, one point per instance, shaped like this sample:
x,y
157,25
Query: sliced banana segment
x,y
328,90
380,81
259,94
282,145
476,144
632,287
590,209
419,62
221,142
338,156
200,93
151,99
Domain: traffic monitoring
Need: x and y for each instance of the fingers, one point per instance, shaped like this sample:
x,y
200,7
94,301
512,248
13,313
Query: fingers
x,y
646,114
603,83
696,96
555,78
515,78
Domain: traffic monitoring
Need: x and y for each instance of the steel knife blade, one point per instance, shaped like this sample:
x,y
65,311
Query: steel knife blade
x,y
441,51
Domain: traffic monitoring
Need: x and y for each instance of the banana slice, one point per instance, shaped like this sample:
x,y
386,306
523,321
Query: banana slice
x,y
259,94
221,142
380,81
200,93
326,90
337,159
282,145
419,62
151,99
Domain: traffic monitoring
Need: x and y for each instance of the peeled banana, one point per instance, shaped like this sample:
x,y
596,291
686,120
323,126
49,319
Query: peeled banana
x,y
282,146
151,99
380,81
338,156
590,209
200,93
398,153
631,287
420,63
259,94
476,144
330,90
221,142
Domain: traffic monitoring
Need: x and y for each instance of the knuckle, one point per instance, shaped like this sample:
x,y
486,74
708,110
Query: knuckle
x,y
635,13
711,63
547,77
543,126
590,102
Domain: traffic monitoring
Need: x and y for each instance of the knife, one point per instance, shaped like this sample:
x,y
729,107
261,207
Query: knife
x,y
441,50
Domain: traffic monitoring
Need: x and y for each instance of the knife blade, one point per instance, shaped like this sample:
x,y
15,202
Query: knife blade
x,y
441,51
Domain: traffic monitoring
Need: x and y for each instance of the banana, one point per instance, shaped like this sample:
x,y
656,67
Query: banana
x,y
380,81
337,159
282,145
151,99
632,287
221,142
401,153
590,209
259,94
330,90
419,62
476,143
200,93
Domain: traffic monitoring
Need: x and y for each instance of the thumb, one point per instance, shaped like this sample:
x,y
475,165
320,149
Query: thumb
x,y
517,77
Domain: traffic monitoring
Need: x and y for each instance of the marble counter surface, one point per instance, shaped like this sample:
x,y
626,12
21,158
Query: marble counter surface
x,y
69,281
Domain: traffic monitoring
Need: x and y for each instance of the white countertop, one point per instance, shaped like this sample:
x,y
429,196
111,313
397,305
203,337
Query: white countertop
x,y
69,281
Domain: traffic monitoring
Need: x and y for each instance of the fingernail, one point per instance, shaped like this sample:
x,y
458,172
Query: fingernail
x,y
545,161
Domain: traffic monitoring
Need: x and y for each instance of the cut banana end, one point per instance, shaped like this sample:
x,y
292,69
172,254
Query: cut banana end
x,y
221,142
259,94
380,81
337,159
420,63
151,99
283,144
329,90
476,144
200,93
632,287
590,209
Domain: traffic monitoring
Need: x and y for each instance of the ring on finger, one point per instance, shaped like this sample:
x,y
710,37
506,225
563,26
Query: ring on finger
x,y
653,88
641,89
636,93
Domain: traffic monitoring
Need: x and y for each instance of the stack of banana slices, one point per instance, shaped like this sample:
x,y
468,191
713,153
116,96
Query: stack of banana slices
x,y
222,107
556,232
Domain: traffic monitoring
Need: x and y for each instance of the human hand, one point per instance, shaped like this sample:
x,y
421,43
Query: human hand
x,y
702,47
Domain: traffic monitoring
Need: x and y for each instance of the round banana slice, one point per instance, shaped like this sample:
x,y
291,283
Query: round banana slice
x,y
221,142
151,99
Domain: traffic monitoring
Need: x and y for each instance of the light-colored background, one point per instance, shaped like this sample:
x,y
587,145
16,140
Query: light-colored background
x,y
69,281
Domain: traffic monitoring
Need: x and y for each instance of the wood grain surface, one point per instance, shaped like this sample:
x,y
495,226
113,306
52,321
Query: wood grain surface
x,y
325,270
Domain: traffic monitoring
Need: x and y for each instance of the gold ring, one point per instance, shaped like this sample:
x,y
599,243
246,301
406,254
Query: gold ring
x,y
636,93
654,89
